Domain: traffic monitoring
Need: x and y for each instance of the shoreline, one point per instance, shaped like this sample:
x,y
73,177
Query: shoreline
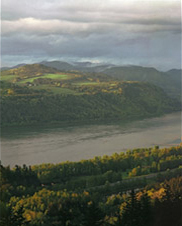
x,y
87,122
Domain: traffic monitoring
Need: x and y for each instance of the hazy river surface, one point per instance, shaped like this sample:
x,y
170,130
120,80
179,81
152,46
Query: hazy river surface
x,y
35,145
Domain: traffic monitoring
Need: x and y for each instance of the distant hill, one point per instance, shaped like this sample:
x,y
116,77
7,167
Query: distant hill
x,y
29,70
59,65
83,64
169,81
175,72
175,76
77,66
96,69
8,68
133,73
4,68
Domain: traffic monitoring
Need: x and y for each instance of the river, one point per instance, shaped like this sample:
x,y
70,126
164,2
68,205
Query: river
x,y
48,144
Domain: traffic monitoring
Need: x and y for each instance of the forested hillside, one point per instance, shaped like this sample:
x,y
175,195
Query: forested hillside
x,y
36,93
142,187
21,105
169,81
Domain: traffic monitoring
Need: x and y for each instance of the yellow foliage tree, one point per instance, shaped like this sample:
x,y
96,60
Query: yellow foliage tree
x,y
10,91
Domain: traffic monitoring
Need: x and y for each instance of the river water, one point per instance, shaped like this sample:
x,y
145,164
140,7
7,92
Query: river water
x,y
48,144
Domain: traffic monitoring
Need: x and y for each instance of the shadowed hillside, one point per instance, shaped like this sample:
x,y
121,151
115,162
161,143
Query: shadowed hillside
x,y
170,81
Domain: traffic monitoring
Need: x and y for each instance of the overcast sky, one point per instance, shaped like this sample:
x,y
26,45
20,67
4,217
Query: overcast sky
x,y
123,32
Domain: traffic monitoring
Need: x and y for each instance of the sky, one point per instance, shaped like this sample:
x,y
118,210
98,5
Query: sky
x,y
123,32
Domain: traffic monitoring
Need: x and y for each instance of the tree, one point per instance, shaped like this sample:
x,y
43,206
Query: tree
x,y
130,212
10,217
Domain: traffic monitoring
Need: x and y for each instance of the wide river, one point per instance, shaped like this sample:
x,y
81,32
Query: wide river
x,y
35,145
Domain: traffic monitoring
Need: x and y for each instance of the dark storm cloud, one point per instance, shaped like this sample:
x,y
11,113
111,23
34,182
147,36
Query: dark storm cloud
x,y
128,31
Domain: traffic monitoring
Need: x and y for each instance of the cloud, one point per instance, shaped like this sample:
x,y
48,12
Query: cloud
x,y
56,9
54,26
82,18
127,30
151,50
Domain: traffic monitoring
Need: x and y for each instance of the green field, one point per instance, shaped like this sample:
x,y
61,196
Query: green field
x,y
51,76
56,76
7,77
28,80
91,84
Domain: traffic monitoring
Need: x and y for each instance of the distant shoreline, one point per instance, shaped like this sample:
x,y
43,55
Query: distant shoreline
x,y
86,122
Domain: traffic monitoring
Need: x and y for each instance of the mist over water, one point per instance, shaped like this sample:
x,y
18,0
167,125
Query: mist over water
x,y
48,144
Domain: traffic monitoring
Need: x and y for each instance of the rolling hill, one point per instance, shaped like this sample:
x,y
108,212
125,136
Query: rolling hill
x,y
77,66
37,93
29,70
169,81
46,95
8,68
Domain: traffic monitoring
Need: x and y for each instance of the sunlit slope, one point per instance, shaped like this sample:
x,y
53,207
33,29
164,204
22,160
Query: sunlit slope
x,y
29,70
38,76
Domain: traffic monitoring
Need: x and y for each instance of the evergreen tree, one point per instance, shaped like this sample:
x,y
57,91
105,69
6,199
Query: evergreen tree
x,y
130,212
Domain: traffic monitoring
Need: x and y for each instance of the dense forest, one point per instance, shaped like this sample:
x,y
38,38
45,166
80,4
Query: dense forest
x,y
22,106
140,187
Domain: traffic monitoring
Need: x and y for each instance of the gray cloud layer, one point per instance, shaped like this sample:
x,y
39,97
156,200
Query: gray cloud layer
x,y
128,31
